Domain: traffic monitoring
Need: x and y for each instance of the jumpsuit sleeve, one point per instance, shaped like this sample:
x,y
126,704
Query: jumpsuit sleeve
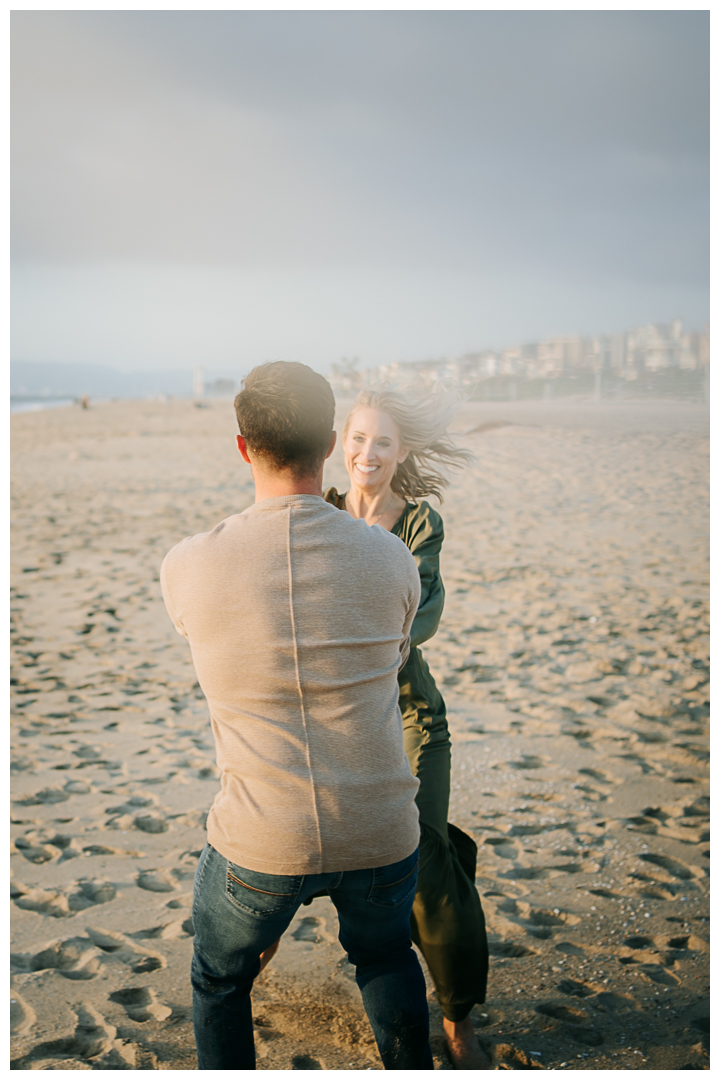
x,y
425,541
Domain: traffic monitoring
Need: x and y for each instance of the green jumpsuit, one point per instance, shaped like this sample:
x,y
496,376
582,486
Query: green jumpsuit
x,y
447,921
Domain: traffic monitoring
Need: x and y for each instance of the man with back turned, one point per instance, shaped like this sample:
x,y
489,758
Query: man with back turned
x,y
298,618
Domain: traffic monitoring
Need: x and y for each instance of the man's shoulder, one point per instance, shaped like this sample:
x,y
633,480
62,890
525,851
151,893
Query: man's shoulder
x,y
349,537
357,531
198,544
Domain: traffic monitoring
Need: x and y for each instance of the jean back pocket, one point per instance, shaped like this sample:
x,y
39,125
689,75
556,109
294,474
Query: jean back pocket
x,y
393,884
261,894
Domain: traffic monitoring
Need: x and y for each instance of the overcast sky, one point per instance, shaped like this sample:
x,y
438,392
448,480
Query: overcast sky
x,y
227,187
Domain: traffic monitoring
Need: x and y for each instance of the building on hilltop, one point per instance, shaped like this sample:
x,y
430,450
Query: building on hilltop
x,y
559,356
650,348
657,346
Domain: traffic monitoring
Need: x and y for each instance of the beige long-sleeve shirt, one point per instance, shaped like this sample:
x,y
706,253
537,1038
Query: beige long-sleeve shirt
x,y
298,618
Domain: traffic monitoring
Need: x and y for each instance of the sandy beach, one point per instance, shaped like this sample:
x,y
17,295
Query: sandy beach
x,y
573,655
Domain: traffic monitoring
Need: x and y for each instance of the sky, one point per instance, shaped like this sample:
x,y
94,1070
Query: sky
x,y
228,187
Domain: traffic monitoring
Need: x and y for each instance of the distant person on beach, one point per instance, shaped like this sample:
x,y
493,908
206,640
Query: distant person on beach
x,y
298,619
395,447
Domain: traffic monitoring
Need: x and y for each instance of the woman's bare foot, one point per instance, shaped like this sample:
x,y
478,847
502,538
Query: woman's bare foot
x,y
266,957
464,1049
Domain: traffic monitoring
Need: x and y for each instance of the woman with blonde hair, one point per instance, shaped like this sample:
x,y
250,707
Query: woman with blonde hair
x,y
396,447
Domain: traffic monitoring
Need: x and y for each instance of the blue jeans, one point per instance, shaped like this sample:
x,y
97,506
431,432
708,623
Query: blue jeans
x,y
238,913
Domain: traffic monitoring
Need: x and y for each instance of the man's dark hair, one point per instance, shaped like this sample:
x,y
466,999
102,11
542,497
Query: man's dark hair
x,y
285,413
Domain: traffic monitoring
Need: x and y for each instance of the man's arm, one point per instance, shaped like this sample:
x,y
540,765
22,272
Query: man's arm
x,y
168,601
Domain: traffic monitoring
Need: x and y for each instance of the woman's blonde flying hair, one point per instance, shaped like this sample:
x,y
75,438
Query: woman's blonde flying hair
x,y
422,422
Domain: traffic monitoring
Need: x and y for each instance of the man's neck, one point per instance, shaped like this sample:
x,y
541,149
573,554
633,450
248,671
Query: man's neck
x,y
271,485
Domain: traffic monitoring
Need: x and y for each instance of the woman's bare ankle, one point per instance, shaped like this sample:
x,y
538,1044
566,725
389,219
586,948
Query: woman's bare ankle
x,y
463,1047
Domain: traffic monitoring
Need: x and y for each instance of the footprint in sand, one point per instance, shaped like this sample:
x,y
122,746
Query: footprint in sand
x,y
104,849
699,808
586,1036
507,1056
667,821
45,796
558,1011
82,894
148,964
22,1015
94,1036
529,761
674,867
569,949
74,958
639,941
184,873
591,794
36,852
545,917
141,1004
685,942
659,974
93,1045
167,931
44,902
509,949
265,1034
88,753
503,847
581,733
313,930
78,787
22,764
305,1061
533,830
91,892
507,904
44,845
133,804
155,881
655,890
184,901
575,988
608,1001
122,948
151,823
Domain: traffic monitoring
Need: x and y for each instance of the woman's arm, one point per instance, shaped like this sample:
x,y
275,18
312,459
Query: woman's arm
x,y
425,540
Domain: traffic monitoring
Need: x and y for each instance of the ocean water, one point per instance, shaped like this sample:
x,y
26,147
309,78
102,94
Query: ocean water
x,y
31,404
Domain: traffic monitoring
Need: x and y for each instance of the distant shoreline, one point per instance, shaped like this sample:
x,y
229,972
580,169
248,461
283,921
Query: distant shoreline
x,y
20,403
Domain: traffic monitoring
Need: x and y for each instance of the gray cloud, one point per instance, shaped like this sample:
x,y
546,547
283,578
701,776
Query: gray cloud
x,y
542,145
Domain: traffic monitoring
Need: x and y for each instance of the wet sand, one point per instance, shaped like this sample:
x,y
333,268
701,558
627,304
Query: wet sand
x,y
573,655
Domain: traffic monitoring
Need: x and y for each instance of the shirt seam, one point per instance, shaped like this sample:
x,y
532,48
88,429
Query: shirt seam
x,y
301,696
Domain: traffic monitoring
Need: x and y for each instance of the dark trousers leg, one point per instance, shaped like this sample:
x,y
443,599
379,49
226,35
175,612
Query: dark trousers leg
x,y
226,960
375,931
448,924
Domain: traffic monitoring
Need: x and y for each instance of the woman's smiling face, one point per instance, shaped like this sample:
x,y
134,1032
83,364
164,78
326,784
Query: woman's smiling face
x,y
372,449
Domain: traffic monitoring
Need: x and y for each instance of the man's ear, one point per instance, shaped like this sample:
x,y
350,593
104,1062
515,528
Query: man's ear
x,y
333,440
242,447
